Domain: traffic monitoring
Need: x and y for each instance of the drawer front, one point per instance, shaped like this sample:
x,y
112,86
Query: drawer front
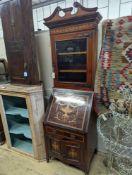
x,y
64,134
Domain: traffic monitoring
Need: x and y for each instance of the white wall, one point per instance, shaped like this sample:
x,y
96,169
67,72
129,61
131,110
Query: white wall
x,y
2,49
45,60
2,55
2,44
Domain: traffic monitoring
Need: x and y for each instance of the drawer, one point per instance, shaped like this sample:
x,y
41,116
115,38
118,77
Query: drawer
x,y
64,134
54,131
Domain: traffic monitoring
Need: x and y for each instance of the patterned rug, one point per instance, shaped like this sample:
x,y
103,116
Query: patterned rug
x,y
115,63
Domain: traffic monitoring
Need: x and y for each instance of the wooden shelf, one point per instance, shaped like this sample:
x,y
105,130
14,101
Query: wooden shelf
x,y
17,111
25,146
73,66
75,71
17,128
72,53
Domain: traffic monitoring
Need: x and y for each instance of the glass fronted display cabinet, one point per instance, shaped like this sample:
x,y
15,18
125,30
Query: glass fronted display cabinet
x,y
72,60
74,46
22,110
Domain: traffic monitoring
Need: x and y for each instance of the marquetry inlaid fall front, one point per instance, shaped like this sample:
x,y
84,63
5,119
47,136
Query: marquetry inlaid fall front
x,y
70,128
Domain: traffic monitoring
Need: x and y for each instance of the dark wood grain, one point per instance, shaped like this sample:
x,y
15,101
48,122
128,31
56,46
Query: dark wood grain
x,y
82,24
18,32
2,136
71,145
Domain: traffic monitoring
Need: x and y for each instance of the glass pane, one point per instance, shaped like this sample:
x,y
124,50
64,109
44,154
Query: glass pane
x,y
72,77
76,45
71,60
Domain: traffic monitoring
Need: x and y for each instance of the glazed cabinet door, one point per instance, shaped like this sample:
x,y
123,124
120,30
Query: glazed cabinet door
x,y
73,59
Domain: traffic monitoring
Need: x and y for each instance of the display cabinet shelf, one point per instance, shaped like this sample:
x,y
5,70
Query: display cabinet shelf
x,y
24,145
72,70
17,128
72,53
79,66
17,111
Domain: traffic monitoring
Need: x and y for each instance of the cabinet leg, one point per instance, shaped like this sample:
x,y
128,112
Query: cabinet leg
x,y
86,170
47,159
95,151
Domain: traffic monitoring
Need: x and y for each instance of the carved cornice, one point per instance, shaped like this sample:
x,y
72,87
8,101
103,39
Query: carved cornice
x,y
81,16
74,28
4,1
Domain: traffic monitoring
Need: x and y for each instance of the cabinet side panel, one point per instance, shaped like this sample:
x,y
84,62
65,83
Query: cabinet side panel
x,y
5,125
2,136
35,105
91,139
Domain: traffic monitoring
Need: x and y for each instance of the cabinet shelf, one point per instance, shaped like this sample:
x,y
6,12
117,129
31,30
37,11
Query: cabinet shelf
x,y
17,111
73,67
72,53
17,128
73,71
24,145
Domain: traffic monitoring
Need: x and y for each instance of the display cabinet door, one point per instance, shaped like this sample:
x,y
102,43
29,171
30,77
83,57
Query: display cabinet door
x,y
72,59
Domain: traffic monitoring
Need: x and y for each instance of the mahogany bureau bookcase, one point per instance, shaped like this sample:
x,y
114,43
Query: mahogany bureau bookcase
x,y
70,120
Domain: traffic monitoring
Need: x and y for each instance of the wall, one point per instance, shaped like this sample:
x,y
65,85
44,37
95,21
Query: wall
x,y
45,60
107,8
2,55
2,49
2,44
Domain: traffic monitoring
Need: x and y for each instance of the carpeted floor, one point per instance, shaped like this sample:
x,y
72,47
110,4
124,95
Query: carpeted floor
x,y
12,163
